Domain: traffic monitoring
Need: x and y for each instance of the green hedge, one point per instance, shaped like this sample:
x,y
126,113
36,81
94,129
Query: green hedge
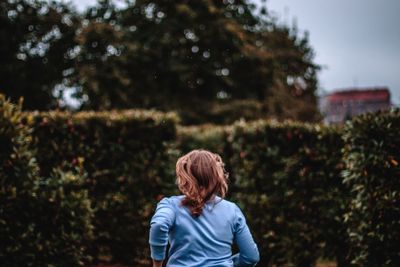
x,y
287,177
127,159
63,216
43,221
208,136
372,156
288,181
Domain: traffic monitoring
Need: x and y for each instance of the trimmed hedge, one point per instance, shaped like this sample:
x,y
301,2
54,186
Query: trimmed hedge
x,y
286,177
372,156
127,159
43,221
62,215
288,181
208,136
18,181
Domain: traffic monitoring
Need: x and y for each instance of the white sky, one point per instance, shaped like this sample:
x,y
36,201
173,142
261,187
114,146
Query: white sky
x,y
356,41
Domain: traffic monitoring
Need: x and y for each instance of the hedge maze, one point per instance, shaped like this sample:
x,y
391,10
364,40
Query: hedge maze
x,y
79,188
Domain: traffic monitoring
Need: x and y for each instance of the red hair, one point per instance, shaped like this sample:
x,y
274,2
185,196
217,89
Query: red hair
x,y
200,177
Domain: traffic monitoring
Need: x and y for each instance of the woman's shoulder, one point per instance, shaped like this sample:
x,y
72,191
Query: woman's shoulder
x,y
171,200
225,202
225,206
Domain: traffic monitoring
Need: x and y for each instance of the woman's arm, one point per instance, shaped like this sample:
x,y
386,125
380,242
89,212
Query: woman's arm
x,y
248,255
160,225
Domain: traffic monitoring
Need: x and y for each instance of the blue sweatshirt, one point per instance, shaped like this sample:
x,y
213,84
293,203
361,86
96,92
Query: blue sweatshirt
x,y
203,241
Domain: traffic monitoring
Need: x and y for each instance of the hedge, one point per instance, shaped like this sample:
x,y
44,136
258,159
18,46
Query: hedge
x,y
212,137
286,177
127,160
372,156
44,221
290,172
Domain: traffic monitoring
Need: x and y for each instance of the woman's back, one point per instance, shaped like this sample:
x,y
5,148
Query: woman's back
x,y
203,241
199,225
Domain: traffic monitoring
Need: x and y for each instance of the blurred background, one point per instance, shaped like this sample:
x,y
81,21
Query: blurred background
x,y
115,91
210,62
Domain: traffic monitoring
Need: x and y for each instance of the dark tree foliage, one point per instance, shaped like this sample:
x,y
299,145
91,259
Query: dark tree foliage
x,y
193,56
204,59
37,41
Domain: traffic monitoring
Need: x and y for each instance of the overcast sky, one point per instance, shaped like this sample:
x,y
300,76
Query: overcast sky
x,y
356,41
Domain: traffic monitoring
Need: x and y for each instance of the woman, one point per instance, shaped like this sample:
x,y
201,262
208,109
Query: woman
x,y
200,225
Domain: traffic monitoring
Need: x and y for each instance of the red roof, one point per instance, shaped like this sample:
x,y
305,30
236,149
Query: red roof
x,y
369,94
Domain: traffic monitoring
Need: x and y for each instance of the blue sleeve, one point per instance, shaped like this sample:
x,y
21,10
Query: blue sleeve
x,y
248,252
160,225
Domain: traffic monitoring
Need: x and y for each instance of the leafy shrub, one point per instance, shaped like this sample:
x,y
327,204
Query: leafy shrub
x,y
63,218
372,172
288,180
43,222
127,158
285,176
207,136
18,179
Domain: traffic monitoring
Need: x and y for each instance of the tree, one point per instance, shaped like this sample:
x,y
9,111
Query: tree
x,y
36,50
203,59
193,56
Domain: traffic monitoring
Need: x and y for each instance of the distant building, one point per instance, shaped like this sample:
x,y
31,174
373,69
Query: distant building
x,y
341,105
